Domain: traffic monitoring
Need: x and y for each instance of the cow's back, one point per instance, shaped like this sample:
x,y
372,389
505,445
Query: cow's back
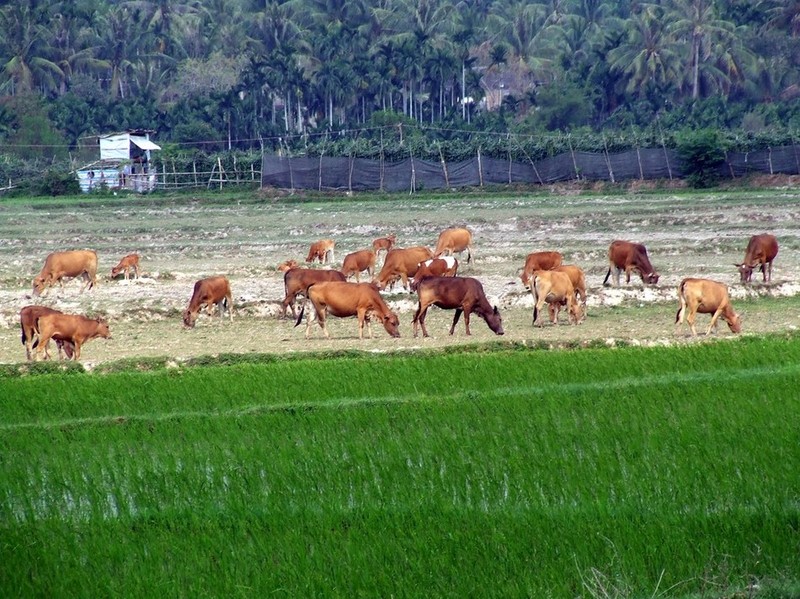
x,y
761,247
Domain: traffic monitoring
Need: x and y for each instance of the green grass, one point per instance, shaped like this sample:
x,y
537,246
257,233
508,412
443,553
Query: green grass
x,y
626,472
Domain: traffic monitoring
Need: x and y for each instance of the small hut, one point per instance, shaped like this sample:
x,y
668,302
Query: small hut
x,y
124,163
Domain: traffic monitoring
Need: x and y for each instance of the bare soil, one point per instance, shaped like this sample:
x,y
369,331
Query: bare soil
x,y
183,239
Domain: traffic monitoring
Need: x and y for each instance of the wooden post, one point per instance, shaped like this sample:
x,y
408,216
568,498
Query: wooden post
x,y
769,157
664,146
382,163
608,160
444,166
480,167
194,171
574,162
219,163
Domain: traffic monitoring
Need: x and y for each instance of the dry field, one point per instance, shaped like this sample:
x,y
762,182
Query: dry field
x,y
182,239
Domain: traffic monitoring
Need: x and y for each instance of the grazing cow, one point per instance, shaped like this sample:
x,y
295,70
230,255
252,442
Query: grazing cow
x,y
74,328
454,240
73,263
343,299
210,292
297,281
464,294
287,265
706,297
402,263
539,261
578,280
435,267
554,288
128,263
357,262
761,251
627,256
384,244
29,323
321,250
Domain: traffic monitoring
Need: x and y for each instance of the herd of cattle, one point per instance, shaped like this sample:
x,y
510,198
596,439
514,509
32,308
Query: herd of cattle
x,y
432,274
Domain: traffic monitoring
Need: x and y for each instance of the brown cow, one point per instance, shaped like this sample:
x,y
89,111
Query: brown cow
x,y
321,250
210,292
73,328
464,294
345,299
29,323
73,263
128,263
539,261
454,239
359,261
402,263
706,297
384,244
554,288
761,251
627,256
287,265
435,267
297,281
578,280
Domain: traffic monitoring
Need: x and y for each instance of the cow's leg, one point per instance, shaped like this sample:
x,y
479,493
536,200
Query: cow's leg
x,y
455,320
469,255
229,303
690,319
312,315
466,320
713,324
404,277
77,351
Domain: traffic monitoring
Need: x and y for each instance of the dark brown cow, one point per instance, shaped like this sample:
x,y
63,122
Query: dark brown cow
x,y
297,281
128,263
463,294
73,328
555,288
539,261
435,267
402,263
760,252
210,292
321,250
384,244
73,263
707,297
357,262
29,323
627,256
345,299
455,239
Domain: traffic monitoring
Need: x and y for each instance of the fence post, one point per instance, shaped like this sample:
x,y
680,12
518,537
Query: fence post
x,y
574,162
480,167
794,150
444,166
413,172
769,156
350,175
730,166
382,163
194,171
533,164
664,146
608,160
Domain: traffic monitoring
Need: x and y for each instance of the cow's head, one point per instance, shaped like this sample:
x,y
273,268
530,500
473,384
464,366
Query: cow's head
x,y
526,279
392,324
287,265
650,278
734,323
103,329
495,321
39,285
189,318
745,272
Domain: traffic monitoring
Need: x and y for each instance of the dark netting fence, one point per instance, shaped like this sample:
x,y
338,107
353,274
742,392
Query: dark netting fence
x,y
358,174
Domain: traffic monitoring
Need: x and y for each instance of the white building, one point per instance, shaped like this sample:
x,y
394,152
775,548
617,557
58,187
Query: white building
x,y
124,163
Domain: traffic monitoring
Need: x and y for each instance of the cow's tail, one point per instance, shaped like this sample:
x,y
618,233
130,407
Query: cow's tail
x,y
532,282
300,318
681,301
24,337
608,274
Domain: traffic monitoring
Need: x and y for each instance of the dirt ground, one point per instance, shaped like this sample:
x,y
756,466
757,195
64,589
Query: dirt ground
x,y
183,239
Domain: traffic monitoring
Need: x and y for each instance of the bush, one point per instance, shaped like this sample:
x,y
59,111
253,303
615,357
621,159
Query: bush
x,y
56,183
703,152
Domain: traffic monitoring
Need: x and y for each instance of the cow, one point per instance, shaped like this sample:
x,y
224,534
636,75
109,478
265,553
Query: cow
x,y
627,256
384,244
464,294
29,323
402,263
452,240
578,280
706,297
555,288
343,299
297,281
74,328
287,265
539,261
761,251
435,267
126,264
72,263
210,292
359,261
321,250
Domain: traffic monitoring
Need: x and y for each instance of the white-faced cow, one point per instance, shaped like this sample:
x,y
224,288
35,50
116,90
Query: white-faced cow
x,y
72,263
343,299
29,324
446,266
627,256
539,261
296,281
321,250
127,264
760,252
73,328
452,240
462,294
555,288
210,292
706,297
357,262
402,263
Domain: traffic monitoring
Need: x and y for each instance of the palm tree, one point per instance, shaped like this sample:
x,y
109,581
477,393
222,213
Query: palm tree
x,y
118,44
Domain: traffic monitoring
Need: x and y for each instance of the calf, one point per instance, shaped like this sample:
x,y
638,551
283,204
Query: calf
x,y
453,240
578,280
210,292
384,244
555,288
435,267
345,299
707,297
463,294
297,281
402,263
29,323
128,263
73,328
539,261
627,256
73,263
321,250
357,262
760,252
